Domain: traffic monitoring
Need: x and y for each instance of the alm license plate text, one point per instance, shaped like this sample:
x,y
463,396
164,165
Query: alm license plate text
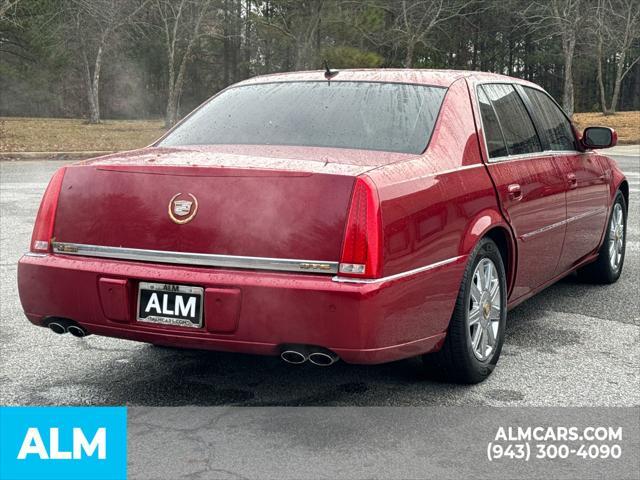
x,y
168,304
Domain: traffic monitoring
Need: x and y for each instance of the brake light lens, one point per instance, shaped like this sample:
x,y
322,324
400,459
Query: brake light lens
x,y
361,248
43,228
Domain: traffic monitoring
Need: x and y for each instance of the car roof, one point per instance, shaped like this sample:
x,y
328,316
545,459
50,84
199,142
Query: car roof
x,y
440,78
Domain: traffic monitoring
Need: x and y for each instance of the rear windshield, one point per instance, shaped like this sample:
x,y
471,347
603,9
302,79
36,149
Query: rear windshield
x,y
390,117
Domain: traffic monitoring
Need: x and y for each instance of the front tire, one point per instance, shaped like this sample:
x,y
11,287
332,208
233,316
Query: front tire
x,y
608,266
476,330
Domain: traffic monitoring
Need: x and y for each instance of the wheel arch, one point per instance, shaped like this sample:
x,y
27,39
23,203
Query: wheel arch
x,y
491,224
624,188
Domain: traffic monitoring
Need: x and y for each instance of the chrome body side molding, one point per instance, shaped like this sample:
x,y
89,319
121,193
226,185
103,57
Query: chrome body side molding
x,y
562,222
34,254
408,273
198,259
229,261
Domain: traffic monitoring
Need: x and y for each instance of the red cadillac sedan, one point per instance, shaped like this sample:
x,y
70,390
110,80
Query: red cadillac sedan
x,y
365,215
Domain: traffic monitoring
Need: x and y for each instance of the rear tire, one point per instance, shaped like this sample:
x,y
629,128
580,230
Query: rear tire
x,y
608,266
476,331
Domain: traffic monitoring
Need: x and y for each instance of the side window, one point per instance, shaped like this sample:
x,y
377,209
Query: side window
x,y
554,125
518,130
491,127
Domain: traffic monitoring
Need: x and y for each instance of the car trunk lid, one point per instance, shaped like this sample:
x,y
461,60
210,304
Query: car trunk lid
x,y
235,204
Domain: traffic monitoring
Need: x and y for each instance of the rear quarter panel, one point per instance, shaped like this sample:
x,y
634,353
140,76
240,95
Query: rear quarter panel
x,y
437,206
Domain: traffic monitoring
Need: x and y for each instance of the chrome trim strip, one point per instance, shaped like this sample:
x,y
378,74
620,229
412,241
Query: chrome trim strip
x,y
546,228
453,170
563,222
34,254
397,275
542,154
199,259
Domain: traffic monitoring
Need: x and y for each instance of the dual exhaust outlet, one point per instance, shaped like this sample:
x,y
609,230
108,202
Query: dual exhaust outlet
x,y
299,354
62,325
295,355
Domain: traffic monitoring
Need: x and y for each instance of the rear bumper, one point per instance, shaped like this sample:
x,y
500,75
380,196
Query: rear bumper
x,y
249,311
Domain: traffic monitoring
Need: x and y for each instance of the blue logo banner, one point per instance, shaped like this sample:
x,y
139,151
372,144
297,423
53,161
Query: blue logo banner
x,y
56,443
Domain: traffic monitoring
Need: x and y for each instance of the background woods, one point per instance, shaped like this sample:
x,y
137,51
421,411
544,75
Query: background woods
x,y
150,58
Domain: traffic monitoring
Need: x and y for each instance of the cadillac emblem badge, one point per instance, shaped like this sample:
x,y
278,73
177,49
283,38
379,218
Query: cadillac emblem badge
x,y
182,208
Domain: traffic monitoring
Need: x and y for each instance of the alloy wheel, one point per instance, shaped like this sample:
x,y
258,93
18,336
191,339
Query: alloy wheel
x,y
484,311
616,237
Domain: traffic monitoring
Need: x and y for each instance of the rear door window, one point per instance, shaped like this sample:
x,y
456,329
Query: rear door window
x,y
492,132
552,122
519,133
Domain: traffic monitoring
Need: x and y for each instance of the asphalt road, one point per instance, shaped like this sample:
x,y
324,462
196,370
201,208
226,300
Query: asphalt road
x,y
572,345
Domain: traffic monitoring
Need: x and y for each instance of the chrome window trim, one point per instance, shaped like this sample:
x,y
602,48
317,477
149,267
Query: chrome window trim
x,y
198,259
545,153
523,156
408,273
484,137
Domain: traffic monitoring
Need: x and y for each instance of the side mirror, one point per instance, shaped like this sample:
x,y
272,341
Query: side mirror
x,y
599,137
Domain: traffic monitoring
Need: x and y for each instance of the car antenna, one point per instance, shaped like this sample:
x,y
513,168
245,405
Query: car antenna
x,y
328,73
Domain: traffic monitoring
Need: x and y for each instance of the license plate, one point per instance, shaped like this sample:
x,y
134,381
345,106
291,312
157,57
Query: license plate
x,y
168,304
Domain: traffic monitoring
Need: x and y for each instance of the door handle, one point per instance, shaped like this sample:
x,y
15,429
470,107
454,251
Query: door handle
x,y
573,181
515,191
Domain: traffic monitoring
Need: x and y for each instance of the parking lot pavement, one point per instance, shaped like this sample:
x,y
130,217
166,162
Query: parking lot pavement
x,y
573,344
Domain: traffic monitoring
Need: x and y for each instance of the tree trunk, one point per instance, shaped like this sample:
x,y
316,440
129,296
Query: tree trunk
x,y
94,107
302,54
226,47
568,47
171,116
408,59
172,104
618,82
92,83
91,98
176,84
95,90
510,46
600,76
247,40
474,58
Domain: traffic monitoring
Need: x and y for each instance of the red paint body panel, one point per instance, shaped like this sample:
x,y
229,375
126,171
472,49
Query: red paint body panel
x,y
542,204
428,203
292,202
588,201
222,307
115,298
128,207
367,323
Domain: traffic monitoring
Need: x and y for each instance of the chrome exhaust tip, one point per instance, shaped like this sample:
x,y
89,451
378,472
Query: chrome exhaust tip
x,y
323,359
293,356
77,331
58,328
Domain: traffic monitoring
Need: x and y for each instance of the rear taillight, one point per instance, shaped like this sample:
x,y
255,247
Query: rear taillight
x,y
361,248
43,228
